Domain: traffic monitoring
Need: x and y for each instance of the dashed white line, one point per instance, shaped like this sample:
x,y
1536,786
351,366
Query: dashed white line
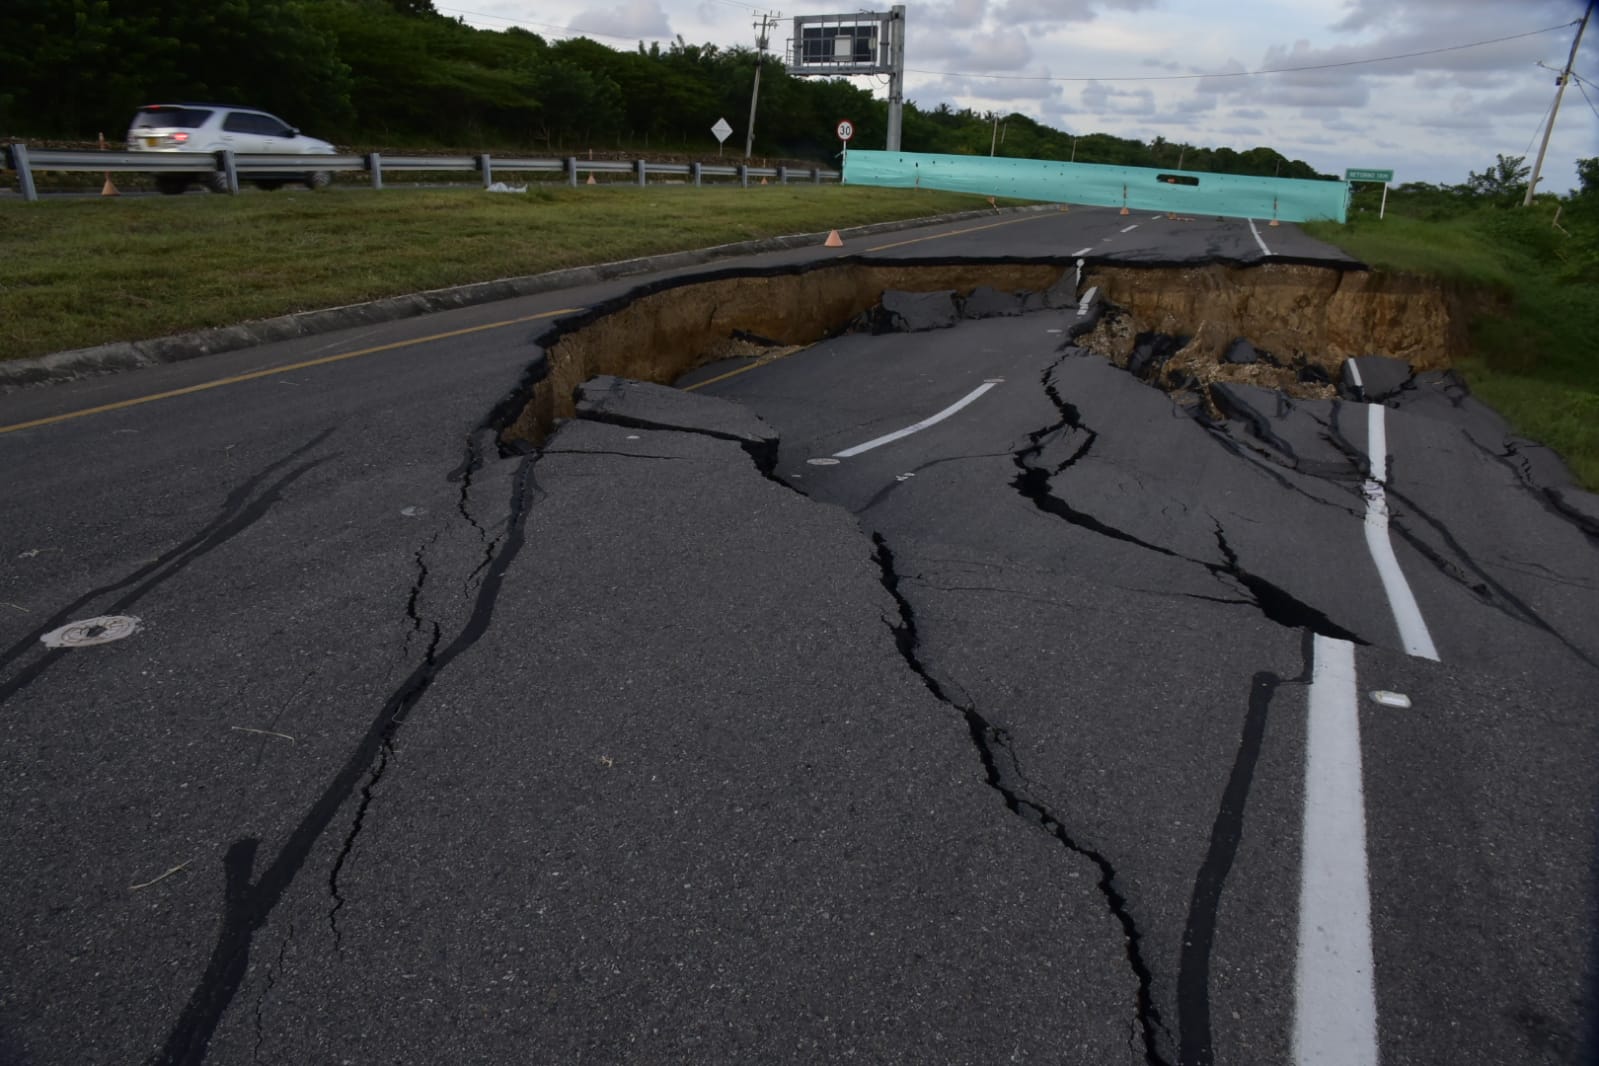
x,y
1088,298
850,453
1413,633
1263,249
1354,373
1083,251
1335,999
1129,229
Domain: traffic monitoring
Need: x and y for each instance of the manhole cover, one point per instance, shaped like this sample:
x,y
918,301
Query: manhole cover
x,y
102,630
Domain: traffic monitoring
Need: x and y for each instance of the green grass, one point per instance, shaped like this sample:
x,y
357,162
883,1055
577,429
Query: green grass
x,y
78,272
1535,337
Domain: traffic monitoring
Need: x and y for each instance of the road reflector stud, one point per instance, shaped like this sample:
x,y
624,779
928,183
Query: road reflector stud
x,y
833,240
1390,699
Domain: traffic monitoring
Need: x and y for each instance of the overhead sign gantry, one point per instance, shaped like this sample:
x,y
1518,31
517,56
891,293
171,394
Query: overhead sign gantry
x,y
866,42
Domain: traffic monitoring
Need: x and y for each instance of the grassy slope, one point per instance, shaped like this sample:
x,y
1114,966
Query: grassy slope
x,y
1535,349
76,272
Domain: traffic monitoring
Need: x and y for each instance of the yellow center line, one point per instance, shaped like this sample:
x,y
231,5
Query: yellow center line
x,y
951,233
254,374
733,373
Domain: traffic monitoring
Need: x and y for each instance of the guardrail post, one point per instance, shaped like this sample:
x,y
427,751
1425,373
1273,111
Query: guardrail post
x,y
744,175
486,165
19,163
782,175
374,163
229,172
816,175
639,168
694,170
571,171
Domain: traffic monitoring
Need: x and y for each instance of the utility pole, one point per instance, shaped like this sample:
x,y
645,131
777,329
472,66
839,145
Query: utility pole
x,y
762,29
1537,167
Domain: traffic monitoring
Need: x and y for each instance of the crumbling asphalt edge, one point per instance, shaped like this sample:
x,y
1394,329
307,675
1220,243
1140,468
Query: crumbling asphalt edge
x,y
131,355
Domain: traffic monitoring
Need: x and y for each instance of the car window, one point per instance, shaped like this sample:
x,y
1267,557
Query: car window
x,y
241,122
182,117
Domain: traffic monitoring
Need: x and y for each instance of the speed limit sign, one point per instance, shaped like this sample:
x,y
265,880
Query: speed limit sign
x,y
846,130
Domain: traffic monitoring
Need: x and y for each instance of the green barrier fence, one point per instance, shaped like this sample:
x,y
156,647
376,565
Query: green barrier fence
x,y
1139,188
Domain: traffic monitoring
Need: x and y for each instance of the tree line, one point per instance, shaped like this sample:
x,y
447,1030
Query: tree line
x,y
397,73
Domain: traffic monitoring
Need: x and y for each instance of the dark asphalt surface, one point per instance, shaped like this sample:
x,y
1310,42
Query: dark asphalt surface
x,y
987,744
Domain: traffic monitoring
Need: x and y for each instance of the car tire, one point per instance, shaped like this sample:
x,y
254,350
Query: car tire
x,y
172,184
216,181
319,179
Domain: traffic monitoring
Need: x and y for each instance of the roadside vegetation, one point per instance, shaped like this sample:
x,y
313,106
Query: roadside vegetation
x,y
397,75
83,271
1534,272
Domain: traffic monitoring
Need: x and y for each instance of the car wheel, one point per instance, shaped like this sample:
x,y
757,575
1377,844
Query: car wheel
x,y
172,184
319,179
216,181
269,185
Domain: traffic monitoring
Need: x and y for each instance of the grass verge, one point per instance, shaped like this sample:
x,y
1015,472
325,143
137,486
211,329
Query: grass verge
x,y
1535,342
78,272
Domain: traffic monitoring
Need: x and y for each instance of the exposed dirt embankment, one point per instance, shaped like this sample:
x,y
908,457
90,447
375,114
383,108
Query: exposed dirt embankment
x,y
662,335
1278,325
1302,321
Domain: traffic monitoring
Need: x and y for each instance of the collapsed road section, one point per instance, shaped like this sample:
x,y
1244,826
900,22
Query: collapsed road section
x,y
1290,315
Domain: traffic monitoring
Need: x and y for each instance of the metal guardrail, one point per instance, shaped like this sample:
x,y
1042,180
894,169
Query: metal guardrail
x,y
233,167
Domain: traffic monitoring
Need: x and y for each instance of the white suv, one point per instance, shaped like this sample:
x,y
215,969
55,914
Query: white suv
x,y
207,128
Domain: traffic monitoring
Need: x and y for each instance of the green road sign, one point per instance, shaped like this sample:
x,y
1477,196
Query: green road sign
x,y
1369,175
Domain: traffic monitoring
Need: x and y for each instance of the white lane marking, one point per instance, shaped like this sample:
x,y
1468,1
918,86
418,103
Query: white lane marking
x,y
1088,298
1335,998
1354,372
1083,251
1129,229
1413,632
850,453
1263,249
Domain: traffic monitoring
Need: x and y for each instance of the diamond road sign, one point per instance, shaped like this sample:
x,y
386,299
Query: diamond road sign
x,y
722,129
1369,175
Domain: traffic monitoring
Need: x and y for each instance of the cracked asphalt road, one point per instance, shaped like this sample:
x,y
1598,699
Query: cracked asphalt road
x,y
986,744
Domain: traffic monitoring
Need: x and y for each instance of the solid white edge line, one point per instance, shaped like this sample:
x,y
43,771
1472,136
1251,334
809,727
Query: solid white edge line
x,y
1354,372
1335,997
850,453
1413,632
1263,249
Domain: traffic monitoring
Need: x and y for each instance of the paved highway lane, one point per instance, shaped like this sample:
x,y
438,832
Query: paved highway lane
x,y
1120,631
989,742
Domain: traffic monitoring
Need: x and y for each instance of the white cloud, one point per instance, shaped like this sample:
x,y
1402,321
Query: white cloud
x,y
635,18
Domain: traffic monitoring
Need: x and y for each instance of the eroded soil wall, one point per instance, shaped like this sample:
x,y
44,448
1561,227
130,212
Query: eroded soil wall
x,y
1300,314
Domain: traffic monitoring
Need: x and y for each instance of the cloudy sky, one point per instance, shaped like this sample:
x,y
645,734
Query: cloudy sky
x,y
1130,68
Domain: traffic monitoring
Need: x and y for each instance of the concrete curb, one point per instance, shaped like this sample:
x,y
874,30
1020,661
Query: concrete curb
x,y
132,355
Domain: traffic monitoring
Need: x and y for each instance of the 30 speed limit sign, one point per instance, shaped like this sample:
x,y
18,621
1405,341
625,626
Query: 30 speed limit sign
x,y
846,130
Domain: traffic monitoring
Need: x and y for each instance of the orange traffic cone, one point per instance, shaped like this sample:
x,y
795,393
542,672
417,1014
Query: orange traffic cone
x,y
833,240
107,189
591,181
763,181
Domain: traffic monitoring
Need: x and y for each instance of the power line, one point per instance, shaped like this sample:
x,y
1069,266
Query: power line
x,y
1588,98
1249,73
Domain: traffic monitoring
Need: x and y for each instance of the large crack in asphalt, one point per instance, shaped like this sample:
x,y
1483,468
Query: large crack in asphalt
x,y
240,510
247,904
988,741
1487,589
1034,481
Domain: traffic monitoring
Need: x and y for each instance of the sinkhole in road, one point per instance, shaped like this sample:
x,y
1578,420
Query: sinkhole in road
x,y
1280,325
